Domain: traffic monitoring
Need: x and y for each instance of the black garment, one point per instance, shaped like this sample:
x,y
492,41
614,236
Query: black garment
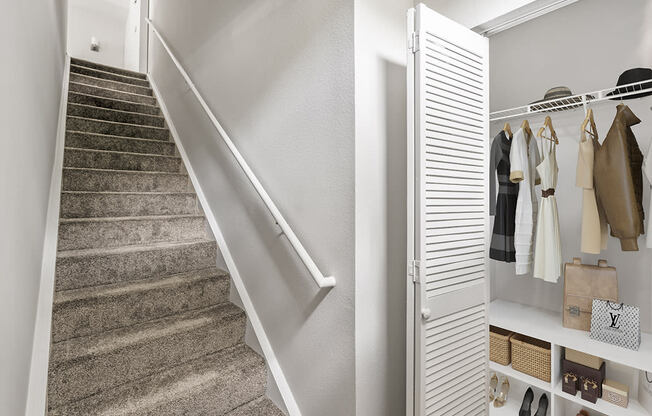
x,y
502,240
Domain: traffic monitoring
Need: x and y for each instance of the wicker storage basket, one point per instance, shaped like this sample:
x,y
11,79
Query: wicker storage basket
x,y
500,350
531,356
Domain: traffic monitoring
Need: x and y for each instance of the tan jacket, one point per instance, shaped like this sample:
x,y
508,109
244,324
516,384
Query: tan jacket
x,y
619,179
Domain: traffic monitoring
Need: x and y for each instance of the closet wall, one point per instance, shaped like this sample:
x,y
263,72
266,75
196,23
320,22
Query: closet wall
x,y
584,46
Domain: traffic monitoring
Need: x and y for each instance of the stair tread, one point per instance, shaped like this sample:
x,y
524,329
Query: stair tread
x,y
117,122
114,339
88,252
143,285
129,192
175,388
108,89
126,84
111,99
113,136
88,68
154,155
114,111
146,172
135,218
80,62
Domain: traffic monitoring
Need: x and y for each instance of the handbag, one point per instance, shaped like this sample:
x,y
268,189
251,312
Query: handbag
x,y
616,323
582,284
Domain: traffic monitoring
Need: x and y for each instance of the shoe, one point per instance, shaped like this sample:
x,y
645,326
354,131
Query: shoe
x,y
542,409
493,383
527,403
502,395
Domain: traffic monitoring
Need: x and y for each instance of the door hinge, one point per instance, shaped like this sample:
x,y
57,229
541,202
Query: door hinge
x,y
413,42
413,270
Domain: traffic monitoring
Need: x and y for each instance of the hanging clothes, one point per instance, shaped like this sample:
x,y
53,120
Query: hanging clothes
x,y
524,157
594,224
618,179
647,168
547,256
502,239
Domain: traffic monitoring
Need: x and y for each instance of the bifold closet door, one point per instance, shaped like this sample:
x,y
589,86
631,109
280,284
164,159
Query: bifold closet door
x,y
449,217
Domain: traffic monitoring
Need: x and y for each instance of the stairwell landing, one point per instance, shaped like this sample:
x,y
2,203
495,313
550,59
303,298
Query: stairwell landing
x,y
141,321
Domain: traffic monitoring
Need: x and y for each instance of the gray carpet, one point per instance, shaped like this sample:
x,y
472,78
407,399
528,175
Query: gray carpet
x,y
141,322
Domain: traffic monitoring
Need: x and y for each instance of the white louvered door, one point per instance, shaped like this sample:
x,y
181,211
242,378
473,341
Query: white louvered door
x,y
449,224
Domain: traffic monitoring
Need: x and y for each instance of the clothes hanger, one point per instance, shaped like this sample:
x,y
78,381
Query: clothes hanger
x,y
525,125
589,119
553,134
508,130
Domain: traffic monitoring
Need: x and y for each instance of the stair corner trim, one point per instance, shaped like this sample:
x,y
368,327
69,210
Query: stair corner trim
x,y
38,372
268,352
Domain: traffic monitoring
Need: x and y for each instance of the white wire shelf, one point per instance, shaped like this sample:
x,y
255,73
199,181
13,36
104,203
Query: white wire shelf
x,y
573,101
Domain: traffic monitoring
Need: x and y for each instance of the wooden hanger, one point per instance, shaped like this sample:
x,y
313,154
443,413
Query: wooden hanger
x,y
525,125
589,119
553,134
508,130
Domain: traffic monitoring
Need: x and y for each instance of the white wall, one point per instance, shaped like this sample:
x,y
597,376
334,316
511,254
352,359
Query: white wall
x,y
380,197
593,42
32,41
279,75
103,19
132,36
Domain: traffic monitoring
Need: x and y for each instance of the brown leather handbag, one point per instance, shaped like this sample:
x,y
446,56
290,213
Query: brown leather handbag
x,y
582,284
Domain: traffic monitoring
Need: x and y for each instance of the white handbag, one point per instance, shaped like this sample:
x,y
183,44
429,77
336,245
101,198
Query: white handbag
x,y
616,323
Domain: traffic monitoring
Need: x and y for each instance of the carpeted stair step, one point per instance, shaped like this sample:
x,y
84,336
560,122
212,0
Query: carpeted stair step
x,y
112,85
77,269
83,140
116,129
92,310
261,406
102,180
98,73
212,385
102,67
84,366
108,114
111,103
86,233
76,204
107,159
109,93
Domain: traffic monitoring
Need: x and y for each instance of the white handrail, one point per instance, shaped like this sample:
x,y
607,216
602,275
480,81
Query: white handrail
x,y
321,280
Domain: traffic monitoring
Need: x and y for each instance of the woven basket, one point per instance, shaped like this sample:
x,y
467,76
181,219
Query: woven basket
x,y
531,356
499,346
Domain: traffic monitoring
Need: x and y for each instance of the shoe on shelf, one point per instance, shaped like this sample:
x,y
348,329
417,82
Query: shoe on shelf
x,y
542,409
493,383
502,395
527,403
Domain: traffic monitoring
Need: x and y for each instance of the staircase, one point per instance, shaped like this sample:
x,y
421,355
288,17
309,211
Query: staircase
x,y
141,321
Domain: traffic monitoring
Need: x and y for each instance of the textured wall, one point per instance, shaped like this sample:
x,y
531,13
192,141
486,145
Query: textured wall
x,y
279,75
32,41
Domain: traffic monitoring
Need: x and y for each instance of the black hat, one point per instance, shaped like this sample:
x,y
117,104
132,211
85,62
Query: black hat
x,y
629,77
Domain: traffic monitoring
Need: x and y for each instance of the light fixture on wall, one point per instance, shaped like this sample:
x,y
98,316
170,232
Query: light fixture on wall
x,y
95,44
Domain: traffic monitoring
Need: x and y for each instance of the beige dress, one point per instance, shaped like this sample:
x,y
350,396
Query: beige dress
x,y
594,224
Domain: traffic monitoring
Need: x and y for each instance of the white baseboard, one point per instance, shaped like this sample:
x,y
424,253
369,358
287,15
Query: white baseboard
x,y
38,372
272,363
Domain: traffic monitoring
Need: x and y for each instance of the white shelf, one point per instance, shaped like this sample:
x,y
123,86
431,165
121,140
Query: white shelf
x,y
508,371
633,409
510,408
547,326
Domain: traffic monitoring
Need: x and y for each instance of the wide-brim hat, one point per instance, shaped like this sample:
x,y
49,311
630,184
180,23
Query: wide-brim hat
x,y
629,77
558,99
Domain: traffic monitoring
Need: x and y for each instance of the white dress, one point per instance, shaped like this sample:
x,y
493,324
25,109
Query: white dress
x,y
647,169
523,159
547,255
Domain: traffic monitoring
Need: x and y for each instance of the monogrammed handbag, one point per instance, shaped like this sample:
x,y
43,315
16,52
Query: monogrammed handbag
x,y
582,284
616,323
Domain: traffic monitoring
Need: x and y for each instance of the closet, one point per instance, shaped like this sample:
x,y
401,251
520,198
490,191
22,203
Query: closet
x,y
461,87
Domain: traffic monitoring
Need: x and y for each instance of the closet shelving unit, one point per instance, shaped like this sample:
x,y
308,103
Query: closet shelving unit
x,y
547,325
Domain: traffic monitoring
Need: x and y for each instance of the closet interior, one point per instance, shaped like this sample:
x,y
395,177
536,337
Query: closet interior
x,y
571,130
